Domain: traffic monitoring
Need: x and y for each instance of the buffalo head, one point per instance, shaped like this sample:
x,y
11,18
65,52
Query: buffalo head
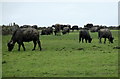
x,y
111,39
10,45
90,40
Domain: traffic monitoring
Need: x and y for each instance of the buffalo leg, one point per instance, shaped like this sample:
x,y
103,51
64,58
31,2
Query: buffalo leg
x,y
55,32
109,41
19,45
86,40
98,35
39,44
23,46
34,45
79,39
105,41
82,40
100,40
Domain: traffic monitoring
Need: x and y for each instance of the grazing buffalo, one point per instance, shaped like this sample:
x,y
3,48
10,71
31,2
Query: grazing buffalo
x,y
84,34
24,35
44,32
28,26
57,29
105,33
35,26
88,26
47,31
50,30
75,27
94,29
65,30
69,26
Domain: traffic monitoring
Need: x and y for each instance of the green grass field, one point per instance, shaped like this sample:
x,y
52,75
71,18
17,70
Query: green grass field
x,y
62,56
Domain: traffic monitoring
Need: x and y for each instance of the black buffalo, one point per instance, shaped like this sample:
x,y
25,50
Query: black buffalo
x,y
84,34
24,35
57,29
94,29
43,32
47,31
105,33
50,30
75,27
88,26
65,30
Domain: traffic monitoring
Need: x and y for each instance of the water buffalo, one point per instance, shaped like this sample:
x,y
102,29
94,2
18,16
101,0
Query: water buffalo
x,y
50,30
75,27
47,31
94,29
57,29
105,33
84,34
88,26
65,30
24,35
44,32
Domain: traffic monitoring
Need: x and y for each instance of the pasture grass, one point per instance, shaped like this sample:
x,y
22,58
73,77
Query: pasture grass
x,y
62,56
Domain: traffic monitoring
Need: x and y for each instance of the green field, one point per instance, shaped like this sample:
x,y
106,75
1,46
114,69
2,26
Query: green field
x,y
62,56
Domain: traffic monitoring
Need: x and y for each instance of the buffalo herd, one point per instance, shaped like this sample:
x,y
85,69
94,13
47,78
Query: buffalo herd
x,y
24,34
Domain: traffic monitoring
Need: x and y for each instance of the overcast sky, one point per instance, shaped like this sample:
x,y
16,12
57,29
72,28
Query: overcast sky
x,y
48,13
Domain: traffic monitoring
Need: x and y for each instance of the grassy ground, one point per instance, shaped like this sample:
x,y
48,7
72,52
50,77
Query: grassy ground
x,y
62,56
